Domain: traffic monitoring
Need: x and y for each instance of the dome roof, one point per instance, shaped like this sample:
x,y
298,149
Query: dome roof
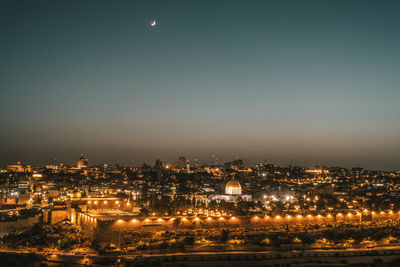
x,y
233,188
233,184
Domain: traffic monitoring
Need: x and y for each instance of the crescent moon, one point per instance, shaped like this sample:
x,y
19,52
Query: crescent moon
x,y
153,23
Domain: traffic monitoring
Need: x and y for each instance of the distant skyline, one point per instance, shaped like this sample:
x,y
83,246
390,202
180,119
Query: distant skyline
x,y
293,82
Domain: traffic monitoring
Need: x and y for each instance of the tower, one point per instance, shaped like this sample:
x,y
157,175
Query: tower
x,y
187,166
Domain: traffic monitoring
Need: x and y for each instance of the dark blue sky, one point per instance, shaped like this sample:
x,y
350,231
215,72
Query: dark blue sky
x,y
293,82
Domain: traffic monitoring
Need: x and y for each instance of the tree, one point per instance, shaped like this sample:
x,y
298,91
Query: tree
x,y
224,235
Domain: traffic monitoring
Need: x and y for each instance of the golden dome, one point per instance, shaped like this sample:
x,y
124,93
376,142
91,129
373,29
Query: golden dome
x,y
233,188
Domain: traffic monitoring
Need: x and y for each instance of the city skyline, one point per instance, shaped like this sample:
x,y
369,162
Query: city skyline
x,y
187,162
303,83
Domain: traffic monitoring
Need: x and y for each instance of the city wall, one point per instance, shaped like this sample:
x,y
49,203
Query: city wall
x,y
109,227
7,227
57,216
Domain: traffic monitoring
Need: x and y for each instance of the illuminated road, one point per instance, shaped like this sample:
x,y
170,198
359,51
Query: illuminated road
x,y
351,255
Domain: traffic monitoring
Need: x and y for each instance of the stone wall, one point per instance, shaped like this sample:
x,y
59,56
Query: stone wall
x,y
57,216
7,227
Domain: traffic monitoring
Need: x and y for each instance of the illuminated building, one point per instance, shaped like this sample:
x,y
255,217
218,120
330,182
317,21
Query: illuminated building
x,y
187,166
233,192
182,162
19,168
233,188
82,162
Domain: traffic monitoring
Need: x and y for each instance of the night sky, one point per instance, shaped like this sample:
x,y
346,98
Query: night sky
x,y
292,82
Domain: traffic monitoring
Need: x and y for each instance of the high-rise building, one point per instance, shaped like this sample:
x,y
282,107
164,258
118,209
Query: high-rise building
x,y
187,166
82,162
158,164
195,164
182,162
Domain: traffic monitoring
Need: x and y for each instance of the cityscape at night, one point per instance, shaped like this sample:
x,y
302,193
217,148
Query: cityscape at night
x,y
85,214
191,133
